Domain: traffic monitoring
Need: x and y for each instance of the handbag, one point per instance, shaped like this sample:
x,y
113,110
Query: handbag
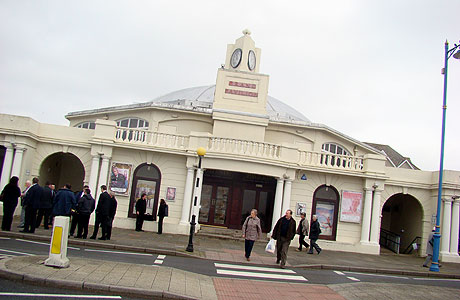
x,y
270,248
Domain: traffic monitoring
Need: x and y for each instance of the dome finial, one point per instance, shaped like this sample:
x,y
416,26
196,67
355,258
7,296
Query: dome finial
x,y
246,32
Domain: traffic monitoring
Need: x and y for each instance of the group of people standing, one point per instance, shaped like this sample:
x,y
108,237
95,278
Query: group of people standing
x,y
141,208
283,232
45,203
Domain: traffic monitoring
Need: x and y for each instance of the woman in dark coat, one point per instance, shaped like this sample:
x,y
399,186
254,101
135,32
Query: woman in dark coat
x,y
10,195
315,231
162,212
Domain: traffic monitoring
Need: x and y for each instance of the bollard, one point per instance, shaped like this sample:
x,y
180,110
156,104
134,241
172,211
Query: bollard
x,y
58,247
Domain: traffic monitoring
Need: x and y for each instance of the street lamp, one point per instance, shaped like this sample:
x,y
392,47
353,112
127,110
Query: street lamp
x,y
455,52
196,196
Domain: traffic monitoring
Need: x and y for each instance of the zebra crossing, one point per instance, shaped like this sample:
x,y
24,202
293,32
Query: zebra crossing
x,y
245,271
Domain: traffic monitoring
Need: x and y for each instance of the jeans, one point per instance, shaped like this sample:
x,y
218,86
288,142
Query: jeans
x,y
313,244
248,244
302,242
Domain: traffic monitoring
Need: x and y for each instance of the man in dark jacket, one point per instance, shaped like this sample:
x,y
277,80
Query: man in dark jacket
x,y
113,211
74,212
32,203
64,201
46,206
315,231
102,213
141,207
283,233
85,208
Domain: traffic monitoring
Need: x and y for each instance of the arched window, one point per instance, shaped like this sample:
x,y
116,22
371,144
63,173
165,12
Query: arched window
x,y
325,206
334,159
334,149
133,123
87,125
146,179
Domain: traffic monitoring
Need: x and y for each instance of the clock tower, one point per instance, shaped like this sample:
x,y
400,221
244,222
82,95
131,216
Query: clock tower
x,y
240,100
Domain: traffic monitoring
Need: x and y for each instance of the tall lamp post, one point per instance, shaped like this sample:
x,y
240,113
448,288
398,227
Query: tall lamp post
x,y
196,197
437,235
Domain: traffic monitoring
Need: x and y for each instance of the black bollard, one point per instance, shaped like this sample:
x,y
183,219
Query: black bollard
x,y
190,238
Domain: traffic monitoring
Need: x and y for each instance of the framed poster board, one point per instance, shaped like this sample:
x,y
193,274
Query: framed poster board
x,y
119,177
300,208
351,207
171,194
325,214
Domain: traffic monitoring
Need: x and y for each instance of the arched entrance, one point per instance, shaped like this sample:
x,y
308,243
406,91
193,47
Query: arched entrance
x,y
402,216
146,179
62,168
326,207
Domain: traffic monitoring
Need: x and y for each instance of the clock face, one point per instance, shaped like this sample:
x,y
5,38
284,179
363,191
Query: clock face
x,y
251,60
236,58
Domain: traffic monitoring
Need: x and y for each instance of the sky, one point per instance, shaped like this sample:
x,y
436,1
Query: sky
x,y
369,69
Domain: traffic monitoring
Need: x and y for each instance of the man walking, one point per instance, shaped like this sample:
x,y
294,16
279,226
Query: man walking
x,y
283,233
31,204
302,231
141,207
315,231
46,206
102,213
429,248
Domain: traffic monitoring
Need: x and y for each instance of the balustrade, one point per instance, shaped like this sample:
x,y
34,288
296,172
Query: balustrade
x,y
331,161
242,147
145,137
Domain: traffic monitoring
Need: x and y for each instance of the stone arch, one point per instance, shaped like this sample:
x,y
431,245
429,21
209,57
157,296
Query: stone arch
x,y
402,215
61,168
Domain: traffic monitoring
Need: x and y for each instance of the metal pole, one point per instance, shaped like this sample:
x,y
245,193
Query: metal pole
x,y
437,235
192,222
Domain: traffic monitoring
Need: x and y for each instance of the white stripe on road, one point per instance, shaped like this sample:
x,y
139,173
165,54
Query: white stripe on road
x,y
161,256
46,244
377,275
118,252
261,275
4,238
158,261
253,268
353,278
60,295
339,273
17,252
436,279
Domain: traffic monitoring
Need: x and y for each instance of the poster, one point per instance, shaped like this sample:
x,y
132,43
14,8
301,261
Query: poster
x,y
300,208
119,177
325,214
351,206
171,194
148,187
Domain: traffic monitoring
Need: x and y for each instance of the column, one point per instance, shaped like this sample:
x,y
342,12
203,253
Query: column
x,y
17,162
7,164
287,195
445,229
455,225
278,201
93,175
186,204
104,171
366,223
375,225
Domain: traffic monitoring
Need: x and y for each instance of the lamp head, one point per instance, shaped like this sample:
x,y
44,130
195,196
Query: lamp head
x,y
457,55
201,151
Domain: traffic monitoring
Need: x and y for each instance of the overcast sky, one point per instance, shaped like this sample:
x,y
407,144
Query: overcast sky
x,y
370,69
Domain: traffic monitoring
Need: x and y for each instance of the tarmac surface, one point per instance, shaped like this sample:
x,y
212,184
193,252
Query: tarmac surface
x,y
169,283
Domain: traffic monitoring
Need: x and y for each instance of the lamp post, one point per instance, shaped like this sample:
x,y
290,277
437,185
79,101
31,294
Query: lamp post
x,y
196,197
437,235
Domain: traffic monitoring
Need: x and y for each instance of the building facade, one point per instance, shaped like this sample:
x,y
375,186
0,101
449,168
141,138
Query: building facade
x,y
260,153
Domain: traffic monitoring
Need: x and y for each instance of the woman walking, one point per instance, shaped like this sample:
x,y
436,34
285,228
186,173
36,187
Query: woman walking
x,y
162,212
315,231
9,196
251,232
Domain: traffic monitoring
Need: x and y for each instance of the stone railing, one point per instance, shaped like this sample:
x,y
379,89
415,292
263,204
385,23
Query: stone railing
x,y
244,148
151,138
331,161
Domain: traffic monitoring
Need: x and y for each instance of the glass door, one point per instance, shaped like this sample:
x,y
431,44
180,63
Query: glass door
x,y
214,200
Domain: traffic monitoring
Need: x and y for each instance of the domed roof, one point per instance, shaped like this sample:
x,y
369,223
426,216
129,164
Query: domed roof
x,y
203,97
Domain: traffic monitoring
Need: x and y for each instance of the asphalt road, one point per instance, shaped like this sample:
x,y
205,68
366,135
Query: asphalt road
x,y
14,247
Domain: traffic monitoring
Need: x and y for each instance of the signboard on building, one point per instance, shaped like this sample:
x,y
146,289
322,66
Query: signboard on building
x,y
351,206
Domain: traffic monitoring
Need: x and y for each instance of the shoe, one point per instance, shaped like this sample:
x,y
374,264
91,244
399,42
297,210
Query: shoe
x,y
298,250
92,237
425,266
77,237
25,231
283,267
278,261
248,259
102,238
310,252
46,228
20,226
319,251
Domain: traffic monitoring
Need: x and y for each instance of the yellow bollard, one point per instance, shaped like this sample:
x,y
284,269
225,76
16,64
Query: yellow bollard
x,y
58,246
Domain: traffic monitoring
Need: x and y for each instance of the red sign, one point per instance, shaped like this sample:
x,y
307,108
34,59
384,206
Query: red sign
x,y
242,84
241,93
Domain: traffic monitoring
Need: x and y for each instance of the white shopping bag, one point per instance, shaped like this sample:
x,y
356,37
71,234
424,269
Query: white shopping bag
x,y
270,248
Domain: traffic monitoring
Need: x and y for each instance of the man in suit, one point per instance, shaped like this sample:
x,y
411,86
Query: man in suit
x,y
112,212
141,207
46,206
102,213
32,204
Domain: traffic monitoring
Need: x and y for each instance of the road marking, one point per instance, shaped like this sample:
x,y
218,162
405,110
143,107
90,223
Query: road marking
x,y
118,252
353,278
339,273
436,279
46,244
60,295
261,275
17,252
253,268
161,256
378,275
4,238
158,261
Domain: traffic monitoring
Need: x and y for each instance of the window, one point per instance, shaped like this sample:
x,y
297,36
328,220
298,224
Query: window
x,y
333,160
87,125
146,179
130,134
133,123
325,207
334,149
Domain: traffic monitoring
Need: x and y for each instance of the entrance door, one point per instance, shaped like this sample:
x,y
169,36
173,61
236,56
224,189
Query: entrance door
x,y
260,200
214,200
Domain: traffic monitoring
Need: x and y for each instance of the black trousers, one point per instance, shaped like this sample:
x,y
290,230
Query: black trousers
x,y
97,223
248,244
30,219
302,242
108,232
313,244
139,222
160,224
46,213
74,223
8,212
83,221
